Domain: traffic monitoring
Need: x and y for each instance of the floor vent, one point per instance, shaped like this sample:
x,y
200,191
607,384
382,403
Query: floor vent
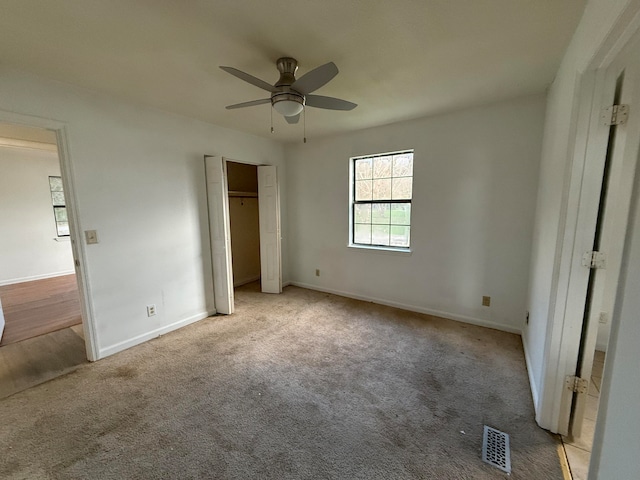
x,y
495,449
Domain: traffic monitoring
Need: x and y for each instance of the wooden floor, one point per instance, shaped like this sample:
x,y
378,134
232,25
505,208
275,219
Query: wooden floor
x,y
37,360
36,308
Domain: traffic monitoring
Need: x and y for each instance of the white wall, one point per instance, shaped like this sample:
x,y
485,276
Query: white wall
x,y
139,178
617,436
475,181
549,263
29,245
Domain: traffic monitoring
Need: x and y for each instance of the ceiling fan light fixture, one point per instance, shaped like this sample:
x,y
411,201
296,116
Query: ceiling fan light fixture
x,y
288,104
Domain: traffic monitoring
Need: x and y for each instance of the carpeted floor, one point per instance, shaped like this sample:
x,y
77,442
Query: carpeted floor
x,y
295,386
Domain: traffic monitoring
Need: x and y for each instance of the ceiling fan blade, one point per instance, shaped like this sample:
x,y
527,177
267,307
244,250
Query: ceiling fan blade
x,y
316,78
248,104
250,79
293,119
330,103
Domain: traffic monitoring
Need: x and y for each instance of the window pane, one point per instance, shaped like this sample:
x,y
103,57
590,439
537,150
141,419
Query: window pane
x,y
57,198
382,189
399,236
403,165
55,184
382,167
401,188
363,190
401,214
63,228
60,213
363,168
362,213
362,234
380,213
380,234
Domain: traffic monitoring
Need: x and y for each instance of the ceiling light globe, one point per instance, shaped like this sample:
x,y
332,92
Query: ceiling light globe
x,y
288,108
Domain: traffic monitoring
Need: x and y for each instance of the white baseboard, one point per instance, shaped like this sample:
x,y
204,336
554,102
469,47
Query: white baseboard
x,y
244,281
412,308
11,281
532,383
118,347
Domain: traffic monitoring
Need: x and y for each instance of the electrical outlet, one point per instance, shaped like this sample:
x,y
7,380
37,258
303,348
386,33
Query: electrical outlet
x,y
151,310
317,272
486,301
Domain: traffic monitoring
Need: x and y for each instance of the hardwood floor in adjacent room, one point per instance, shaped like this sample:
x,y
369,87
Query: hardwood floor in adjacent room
x,y
39,307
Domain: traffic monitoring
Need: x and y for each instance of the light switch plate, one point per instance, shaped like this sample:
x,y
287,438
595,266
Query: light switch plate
x,y
91,236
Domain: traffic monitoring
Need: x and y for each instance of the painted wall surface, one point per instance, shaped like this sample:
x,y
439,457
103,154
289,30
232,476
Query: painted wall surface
x,y
29,246
475,182
552,200
139,178
617,436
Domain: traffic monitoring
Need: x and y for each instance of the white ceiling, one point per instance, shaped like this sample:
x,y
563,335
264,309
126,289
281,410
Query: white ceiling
x,y
398,59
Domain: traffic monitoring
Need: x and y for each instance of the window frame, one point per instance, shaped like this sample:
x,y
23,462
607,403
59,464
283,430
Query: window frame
x,y
59,207
353,202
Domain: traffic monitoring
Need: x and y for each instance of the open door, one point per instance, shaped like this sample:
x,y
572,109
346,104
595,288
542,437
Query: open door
x,y
269,209
220,233
613,212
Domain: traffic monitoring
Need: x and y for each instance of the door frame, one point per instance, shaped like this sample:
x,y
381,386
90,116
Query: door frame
x,y
226,201
77,245
588,140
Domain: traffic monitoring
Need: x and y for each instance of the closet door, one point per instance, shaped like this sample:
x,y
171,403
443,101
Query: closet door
x,y
269,210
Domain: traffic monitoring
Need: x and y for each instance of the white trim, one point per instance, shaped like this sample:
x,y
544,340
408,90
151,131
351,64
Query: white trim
x,y
11,281
6,142
412,308
384,250
77,244
587,142
132,342
532,383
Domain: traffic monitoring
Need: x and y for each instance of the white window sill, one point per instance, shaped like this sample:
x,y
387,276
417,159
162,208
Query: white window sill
x,y
381,250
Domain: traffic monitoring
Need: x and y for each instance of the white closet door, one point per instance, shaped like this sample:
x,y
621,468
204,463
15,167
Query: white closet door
x,y
220,233
269,210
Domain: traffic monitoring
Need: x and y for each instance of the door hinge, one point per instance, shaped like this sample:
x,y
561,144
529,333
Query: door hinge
x,y
576,384
615,114
77,262
594,260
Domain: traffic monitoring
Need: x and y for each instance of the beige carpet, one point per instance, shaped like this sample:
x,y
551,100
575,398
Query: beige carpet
x,y
295,386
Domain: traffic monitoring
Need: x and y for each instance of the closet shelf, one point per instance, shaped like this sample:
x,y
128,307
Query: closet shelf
x,y
235,193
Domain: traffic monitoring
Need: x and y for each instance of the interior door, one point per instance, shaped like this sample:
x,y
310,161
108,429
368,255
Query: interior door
x,y
220,232
269,212
615,198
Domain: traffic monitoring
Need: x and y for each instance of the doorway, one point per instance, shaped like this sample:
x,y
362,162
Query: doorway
x,y
244,223
269,236
608,193
42,334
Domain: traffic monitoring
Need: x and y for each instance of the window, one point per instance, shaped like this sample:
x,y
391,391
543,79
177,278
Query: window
x,y
381,200
59,206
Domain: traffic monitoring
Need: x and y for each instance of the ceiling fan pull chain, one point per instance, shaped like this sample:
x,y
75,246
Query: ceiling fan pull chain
x,y
304,124
271,109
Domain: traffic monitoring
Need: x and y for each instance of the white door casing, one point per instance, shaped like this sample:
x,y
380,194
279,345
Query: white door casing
x,y
269,212
219,229
614,214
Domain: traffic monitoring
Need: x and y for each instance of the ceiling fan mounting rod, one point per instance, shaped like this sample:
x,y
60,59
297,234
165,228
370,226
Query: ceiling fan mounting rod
x,y
287,67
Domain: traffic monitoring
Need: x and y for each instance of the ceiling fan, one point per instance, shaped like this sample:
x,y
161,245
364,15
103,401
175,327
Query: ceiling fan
x,y
289,95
